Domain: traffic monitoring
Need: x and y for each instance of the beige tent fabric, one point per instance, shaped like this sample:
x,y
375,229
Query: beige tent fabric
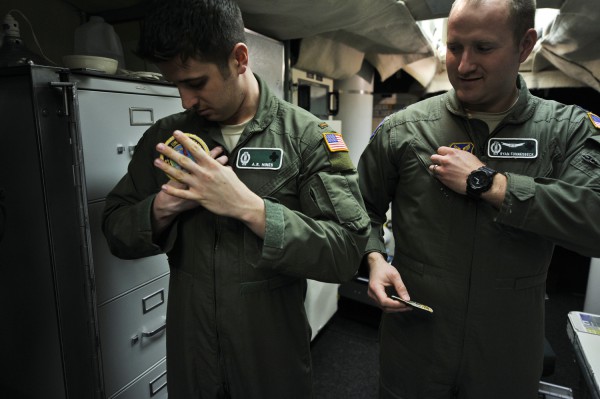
x,y
329,58
339,34
570,44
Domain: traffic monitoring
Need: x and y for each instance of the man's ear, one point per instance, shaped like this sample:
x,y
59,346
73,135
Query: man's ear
x,y
240,57
527,43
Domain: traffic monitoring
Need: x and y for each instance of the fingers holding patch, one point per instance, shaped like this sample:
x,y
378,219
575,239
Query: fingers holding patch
x,y
188,146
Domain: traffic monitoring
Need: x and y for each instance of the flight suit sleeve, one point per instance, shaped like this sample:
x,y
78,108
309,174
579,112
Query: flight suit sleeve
x,y
325,238
561,206
378,180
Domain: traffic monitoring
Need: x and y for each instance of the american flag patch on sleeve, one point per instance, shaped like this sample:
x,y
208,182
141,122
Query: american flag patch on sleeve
x,y
334,142
595,120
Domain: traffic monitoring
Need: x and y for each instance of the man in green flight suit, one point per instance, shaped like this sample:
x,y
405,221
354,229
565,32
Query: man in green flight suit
x,y
484,180
274,203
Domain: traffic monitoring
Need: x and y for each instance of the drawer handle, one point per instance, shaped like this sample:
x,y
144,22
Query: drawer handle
x,y
158,298
141,116
153,390
149,334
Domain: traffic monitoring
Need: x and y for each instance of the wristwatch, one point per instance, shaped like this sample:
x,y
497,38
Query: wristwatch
x,y
480,181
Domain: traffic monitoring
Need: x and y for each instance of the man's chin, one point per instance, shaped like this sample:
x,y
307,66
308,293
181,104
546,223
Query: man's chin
x,y
467,97
208,115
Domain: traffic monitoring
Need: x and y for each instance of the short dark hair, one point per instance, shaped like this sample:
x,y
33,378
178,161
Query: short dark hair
x,y
521,14
203,29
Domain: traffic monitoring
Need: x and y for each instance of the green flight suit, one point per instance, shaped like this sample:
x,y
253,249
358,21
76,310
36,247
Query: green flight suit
x,y
236,322
482,270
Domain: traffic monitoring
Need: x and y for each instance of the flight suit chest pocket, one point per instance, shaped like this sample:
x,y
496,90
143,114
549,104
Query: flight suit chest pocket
x,y
588,161
267,178
419,161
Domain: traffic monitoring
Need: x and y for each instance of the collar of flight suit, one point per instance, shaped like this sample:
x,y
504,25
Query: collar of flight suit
x,y
522,110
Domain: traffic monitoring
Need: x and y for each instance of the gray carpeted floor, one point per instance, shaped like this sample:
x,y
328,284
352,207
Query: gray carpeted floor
x,y
345,355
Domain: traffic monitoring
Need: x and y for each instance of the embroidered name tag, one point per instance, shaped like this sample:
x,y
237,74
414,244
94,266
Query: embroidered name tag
x,y
512,148
259,158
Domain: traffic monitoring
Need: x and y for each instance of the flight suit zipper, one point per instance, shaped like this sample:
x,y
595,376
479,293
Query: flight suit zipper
x,y
220,358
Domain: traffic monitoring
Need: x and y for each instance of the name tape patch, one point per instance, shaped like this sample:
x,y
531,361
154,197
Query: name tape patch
x,y
512,148
259,158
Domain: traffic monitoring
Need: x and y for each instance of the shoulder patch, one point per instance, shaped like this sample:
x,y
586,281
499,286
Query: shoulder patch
x,y
323,125
334,142
377,128
595,119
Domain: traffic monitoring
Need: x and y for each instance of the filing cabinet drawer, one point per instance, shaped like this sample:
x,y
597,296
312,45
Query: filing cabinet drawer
x,y
111,126
152,385
115,276
132,333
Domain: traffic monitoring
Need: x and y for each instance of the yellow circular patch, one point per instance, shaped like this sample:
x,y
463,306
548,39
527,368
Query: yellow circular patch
x,y
177,146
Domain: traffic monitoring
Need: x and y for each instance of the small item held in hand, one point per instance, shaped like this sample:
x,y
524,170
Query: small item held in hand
x,y
413,304
174,144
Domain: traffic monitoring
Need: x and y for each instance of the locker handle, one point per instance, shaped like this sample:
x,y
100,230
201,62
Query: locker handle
x,y
149,334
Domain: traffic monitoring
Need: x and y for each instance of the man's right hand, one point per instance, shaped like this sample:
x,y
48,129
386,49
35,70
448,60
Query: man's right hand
x,y
381,276
166,208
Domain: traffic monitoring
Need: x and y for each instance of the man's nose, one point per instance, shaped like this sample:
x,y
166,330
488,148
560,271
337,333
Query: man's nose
x,y
467,62
188,100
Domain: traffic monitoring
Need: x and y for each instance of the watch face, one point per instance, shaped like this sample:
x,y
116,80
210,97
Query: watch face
x,y
479,179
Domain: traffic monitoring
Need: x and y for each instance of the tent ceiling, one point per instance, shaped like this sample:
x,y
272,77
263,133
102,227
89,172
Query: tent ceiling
x,y
337,36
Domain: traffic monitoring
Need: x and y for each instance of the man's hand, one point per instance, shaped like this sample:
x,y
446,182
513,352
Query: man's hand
x,y
452,166
167,207
381,276
212,184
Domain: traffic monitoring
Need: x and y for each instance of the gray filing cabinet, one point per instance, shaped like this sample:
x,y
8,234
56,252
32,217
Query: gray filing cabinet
x,y
81,322
131,295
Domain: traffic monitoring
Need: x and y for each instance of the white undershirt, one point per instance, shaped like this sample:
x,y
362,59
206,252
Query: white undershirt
x,y
492,119
231,134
